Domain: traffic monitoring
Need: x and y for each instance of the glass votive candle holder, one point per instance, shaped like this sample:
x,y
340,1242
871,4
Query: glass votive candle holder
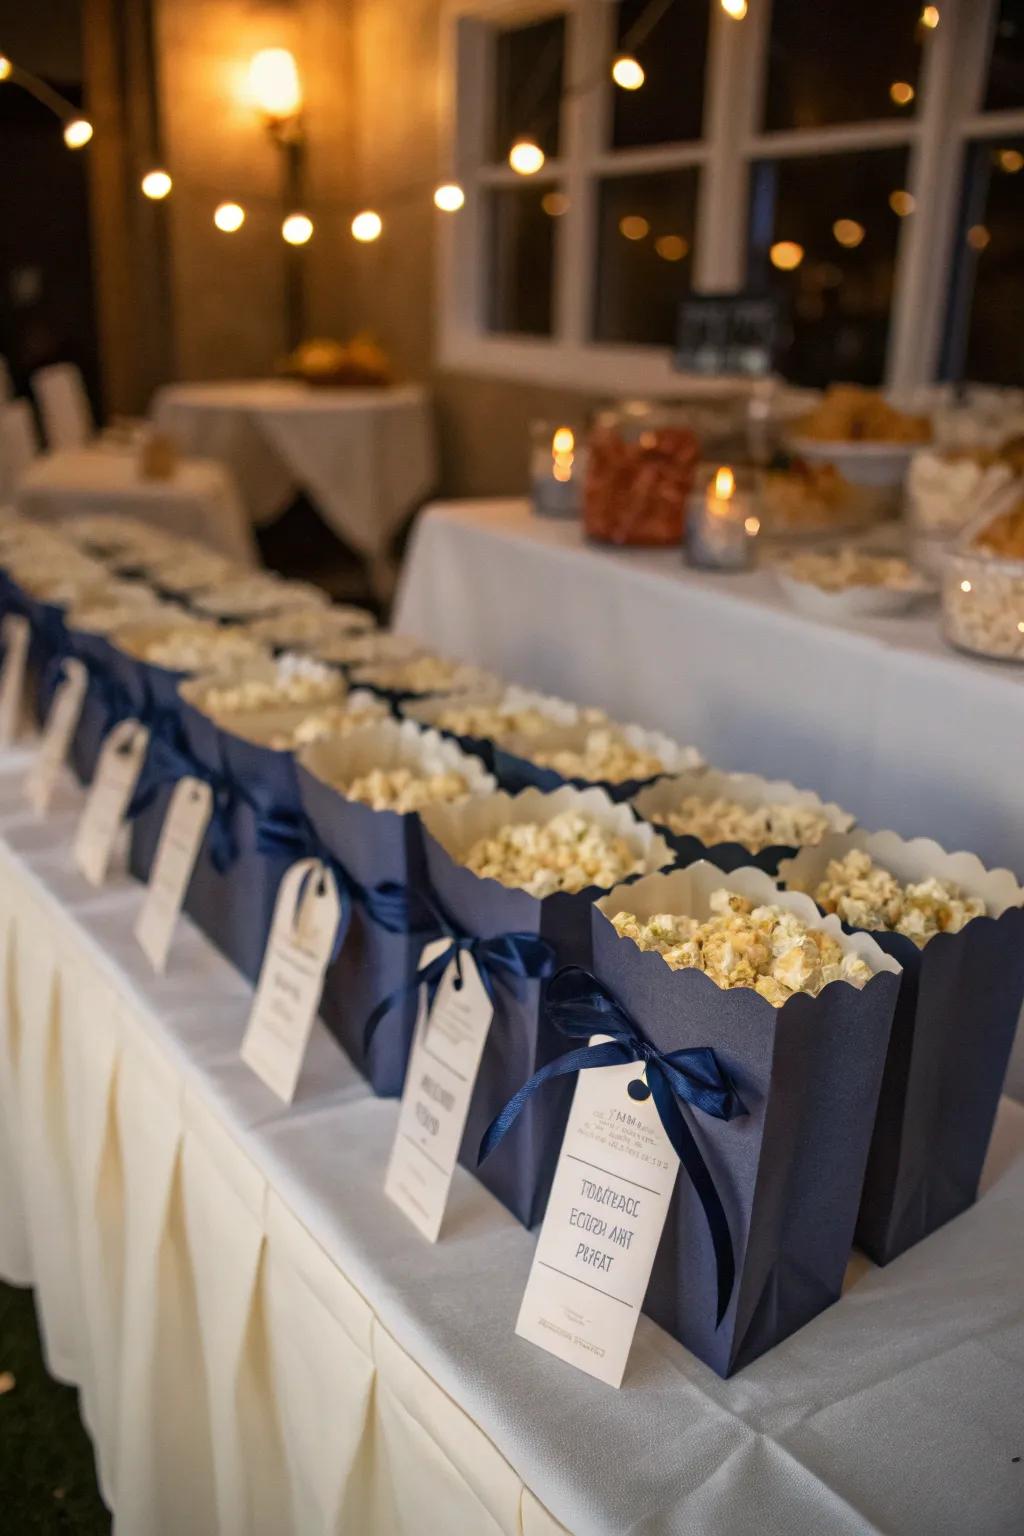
x,y
722,519
558,466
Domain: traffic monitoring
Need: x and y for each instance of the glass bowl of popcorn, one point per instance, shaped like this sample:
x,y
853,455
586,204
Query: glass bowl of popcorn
x,y
737,819
983,588
619,758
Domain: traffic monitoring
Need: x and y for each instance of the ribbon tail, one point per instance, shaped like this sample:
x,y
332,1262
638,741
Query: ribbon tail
x,y
430,976
608,1054
685,1144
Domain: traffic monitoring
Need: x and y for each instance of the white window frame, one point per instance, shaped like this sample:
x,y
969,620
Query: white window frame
x,y
947,116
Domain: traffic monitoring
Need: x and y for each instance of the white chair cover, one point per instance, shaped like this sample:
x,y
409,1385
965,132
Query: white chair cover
x,y
19,444
64,406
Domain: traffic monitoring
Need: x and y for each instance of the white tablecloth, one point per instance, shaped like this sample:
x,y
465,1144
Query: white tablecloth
x,y
882,717
264,1345
199,501
365,457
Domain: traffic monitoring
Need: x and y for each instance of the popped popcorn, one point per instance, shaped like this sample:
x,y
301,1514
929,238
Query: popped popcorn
x,y
422,674
493,721
851,567
864,895
721,820
333,720
568,853
605,756
297,680
404,789
768,948
194,648
983,604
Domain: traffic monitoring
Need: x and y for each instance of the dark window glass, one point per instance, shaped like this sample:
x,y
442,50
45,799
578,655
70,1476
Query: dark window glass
x,y
1006,68
645,254
671,45
842,61
985,330
823,235
528,85
522,240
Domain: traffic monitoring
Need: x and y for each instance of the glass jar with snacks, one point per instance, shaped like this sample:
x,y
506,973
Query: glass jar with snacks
x,y
947,491
983,588
641,464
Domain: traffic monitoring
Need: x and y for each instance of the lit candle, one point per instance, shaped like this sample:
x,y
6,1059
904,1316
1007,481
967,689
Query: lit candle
x,y
721,524
556,471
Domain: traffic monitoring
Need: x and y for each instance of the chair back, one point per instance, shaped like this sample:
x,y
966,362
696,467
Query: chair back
x,y
19,444
64,406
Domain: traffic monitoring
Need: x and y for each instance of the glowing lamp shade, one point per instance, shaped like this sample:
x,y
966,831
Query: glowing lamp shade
x,y
77,132
274,85
156,185
628,73
525,157
786,255
449,197
229,217
5,67
366,226
297,229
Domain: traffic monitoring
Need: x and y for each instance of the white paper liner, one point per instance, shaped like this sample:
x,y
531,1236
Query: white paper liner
x,y
362,650
306,627
674,758
272,670
134,638
458,828
464,679
747,789
338,760
258,594
911,861
687,893
264,727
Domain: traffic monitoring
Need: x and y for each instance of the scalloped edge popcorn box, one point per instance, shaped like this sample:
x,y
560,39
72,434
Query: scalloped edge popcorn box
x,y
514,770
520,1041
427,711
952,1034
747,789
373,847
789,1172
464,679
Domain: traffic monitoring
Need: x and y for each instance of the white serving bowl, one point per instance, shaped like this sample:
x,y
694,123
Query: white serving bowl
x,y
855,602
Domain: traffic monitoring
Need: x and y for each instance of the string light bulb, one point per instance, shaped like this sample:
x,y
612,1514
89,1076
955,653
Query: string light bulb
x,y
1010,160
274,85
786,255
737,9
627,72
526,157
297,229
449,197
901,93
367,226
930,17
671,247
77,132
848,233
634,227
901,202
554,204
6,67
156,185
229,217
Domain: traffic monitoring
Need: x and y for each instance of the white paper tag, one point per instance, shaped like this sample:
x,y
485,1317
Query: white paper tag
x,y
181,836
292,976
57,733
443,1064
15,631
611,1193
117,773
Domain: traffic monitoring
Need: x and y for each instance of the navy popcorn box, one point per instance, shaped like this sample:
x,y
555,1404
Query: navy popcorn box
x,y
515,766
520,1040
374,847
433,711
747,789
951,1039
101,707
789,1171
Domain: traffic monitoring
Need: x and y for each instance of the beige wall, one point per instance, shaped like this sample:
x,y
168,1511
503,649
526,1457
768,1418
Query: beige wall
x,y
373,81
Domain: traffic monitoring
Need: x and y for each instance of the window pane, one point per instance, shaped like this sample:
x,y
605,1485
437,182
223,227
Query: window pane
x,y
670,103
842,61
528,85
1006,69
823,234
985,336
645,254
522,246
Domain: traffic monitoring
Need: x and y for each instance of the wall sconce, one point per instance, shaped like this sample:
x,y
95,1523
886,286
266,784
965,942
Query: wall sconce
x,y
275,90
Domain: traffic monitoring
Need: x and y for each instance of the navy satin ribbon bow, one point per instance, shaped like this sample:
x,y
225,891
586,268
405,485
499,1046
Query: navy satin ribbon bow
x,y
393,907
167,761
580,1006
508,958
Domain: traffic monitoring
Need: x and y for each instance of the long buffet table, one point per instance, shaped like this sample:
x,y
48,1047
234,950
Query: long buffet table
x,y
263,1344
882,717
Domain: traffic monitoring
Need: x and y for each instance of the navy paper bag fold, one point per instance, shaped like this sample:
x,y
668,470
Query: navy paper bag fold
x,y
952,1034
789,1172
